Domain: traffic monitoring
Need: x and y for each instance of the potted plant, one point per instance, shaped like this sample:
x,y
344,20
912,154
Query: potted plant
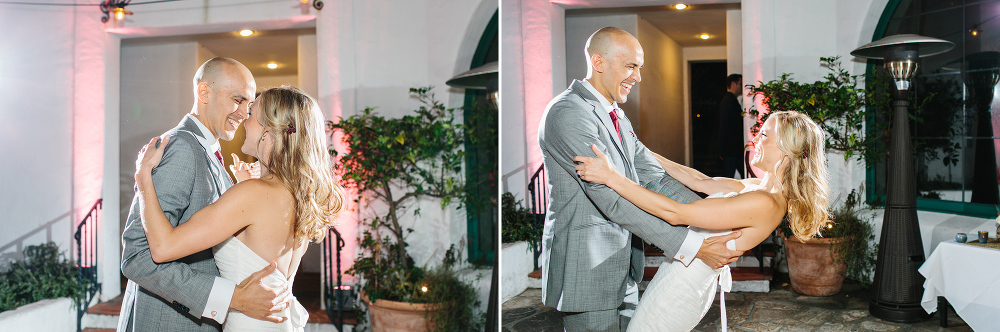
x,y
818,266
396,161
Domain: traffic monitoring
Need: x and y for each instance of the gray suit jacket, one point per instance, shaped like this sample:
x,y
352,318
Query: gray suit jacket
x,y
588,253
172,296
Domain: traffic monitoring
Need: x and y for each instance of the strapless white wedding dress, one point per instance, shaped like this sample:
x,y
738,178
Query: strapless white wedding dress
x,y
679,296
237,262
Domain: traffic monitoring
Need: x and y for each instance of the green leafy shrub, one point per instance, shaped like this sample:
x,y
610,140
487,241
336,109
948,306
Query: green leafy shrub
x,y
518,223
43,274
458,299
860,252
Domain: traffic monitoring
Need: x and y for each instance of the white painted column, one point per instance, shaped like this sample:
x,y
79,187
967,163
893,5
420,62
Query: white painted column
x,y
533,63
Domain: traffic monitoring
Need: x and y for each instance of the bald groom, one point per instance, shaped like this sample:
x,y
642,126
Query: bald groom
x,y
592,256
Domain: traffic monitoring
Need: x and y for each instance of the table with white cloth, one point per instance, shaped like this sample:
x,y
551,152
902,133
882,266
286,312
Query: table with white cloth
x,y
968,277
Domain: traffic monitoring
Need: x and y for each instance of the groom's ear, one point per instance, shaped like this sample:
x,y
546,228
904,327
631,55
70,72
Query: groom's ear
x,y
598,62
203,92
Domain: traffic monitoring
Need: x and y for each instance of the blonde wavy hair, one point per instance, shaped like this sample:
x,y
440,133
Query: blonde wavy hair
x,y
299,157
804,182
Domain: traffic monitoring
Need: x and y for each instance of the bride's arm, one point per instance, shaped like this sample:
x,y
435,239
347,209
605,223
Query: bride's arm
x,y
696,180
742,210
209,226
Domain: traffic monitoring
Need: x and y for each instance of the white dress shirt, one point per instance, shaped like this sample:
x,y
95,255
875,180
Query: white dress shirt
x,y
219,299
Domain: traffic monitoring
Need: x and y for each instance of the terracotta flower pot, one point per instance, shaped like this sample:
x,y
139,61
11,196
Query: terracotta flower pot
x,y
811,266
392,316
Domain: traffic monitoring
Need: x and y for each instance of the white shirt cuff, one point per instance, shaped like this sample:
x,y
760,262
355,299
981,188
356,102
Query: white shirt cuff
x,y
217,307
690,247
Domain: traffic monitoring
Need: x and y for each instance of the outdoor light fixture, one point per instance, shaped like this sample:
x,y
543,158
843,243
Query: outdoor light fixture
x,y
114,9
680,6
246,32
704,36
898,287
316,4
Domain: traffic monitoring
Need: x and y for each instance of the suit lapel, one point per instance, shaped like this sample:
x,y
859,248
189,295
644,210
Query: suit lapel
x,y
609,127
221,179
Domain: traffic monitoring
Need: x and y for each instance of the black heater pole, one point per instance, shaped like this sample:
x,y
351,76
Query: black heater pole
x,y
898,287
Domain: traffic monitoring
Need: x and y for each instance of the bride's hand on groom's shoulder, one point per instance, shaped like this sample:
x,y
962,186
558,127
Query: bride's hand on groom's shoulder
x,y
149,157
594,169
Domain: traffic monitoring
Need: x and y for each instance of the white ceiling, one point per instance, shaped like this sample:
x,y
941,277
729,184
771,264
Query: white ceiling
x,y
683,26
255,51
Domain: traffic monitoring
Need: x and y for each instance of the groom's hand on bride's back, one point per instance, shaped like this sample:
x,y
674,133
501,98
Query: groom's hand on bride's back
x,y
715,253
256,300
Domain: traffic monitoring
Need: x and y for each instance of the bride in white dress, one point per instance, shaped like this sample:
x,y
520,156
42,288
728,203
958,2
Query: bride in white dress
x,y
264,218
789,151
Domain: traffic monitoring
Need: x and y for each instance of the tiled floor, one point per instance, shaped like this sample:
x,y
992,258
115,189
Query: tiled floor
x,y
781,309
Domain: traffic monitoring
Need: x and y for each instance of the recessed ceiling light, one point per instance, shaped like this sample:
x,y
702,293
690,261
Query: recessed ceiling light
x,y
272,65
680,6
246,32
704,36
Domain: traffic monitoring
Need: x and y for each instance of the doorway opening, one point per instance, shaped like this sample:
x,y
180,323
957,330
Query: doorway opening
x,y
708,86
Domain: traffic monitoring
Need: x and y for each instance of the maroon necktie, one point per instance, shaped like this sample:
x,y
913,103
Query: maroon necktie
x,y
614,120
218,154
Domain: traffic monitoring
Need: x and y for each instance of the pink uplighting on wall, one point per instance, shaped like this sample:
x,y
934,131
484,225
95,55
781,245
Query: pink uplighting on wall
x,y
537,61
330,99
88,120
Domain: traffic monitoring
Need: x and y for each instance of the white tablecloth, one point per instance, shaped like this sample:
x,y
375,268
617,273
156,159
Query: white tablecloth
x,y
969,278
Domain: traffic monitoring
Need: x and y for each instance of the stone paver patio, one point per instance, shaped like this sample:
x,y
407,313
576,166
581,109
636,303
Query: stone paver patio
x,y
781,309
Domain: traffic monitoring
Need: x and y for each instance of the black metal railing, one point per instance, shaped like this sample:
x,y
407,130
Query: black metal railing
x,y
86,260
538,199
335,295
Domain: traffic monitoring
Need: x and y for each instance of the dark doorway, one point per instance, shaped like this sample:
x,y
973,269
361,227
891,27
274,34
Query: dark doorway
x,y
708,85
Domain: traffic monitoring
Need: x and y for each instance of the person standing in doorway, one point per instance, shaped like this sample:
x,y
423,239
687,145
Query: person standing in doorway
x,y
731,143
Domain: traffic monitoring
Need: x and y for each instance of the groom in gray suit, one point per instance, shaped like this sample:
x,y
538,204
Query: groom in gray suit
x,y
188,294
592,259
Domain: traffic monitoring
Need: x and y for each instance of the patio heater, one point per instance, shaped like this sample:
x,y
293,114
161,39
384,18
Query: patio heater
x,y
898,287
485,77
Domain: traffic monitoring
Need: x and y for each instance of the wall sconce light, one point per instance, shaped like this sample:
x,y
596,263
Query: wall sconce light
x,y
114,9
246,32
316,4
272,65
704,36
680,6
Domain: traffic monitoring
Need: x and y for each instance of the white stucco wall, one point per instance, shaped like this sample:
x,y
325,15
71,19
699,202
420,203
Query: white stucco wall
x,y
663,120
39,196
794,43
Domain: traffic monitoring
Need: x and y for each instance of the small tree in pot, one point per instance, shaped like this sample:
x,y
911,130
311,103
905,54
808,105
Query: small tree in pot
x,y
397,161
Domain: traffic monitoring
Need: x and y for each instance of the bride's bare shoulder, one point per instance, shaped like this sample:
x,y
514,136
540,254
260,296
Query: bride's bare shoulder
x,y
258,190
